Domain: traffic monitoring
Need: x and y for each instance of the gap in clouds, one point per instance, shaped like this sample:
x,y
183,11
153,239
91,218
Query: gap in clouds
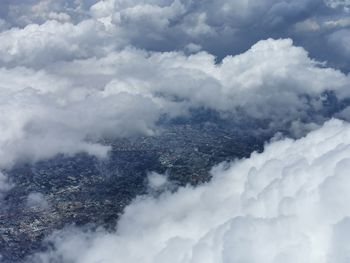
x,y
286,204
90,192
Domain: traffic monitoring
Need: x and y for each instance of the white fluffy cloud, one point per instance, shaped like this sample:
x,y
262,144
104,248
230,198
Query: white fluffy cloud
x,y
71,105
41,45
287,204
36,126
74,72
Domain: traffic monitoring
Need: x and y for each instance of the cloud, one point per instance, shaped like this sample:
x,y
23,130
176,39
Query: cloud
x,y
287,204
72,105
159,183
156,181
69,106
21,13
37,201
340,40
38,126
5,185
345,4
41,45
75,72
168,25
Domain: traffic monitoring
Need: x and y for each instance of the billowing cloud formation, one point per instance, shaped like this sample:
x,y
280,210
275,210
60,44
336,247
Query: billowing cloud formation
x,y
221,27
70,106
287,204
70,77
41,45
74,72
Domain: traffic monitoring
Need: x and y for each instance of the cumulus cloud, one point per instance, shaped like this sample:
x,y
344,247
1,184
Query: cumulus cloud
x,y
21,13
287,204
74,72
41,45
70,106
38,126
166,25
169,25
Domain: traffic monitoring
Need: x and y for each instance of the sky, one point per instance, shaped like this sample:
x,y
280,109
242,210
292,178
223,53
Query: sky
x,y
73,72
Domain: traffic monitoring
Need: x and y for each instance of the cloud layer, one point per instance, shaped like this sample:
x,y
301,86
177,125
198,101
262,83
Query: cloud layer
x,y
287,204
75,72
68,107
221,27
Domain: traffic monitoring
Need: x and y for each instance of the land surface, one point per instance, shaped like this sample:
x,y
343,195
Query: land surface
x,y
84,190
